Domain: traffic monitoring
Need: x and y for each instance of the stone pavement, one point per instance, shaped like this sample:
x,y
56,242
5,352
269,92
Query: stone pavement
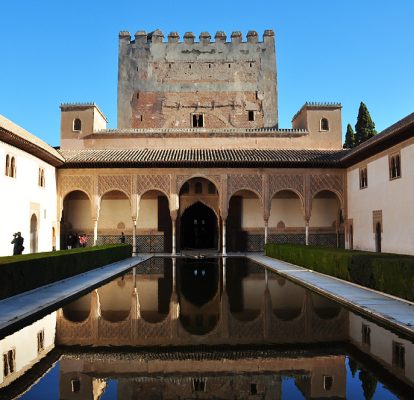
x,y
389,309
27,307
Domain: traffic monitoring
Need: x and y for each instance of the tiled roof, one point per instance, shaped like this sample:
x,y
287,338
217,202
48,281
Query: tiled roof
x,y
393,134
16,136
231,158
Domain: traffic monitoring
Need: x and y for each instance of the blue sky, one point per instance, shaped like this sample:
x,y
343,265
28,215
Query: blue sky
x,y
341,51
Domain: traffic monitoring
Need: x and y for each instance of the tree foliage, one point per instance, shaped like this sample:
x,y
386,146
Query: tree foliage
x,y
365,127
349,138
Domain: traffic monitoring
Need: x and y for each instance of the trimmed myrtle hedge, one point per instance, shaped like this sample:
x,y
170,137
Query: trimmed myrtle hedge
x,y
29,271
388,273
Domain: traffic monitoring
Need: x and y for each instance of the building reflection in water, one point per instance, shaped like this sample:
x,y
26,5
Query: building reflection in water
x,y
217,304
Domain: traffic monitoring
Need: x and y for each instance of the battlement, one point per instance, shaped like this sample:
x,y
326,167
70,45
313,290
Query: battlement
x,y
313,105
142,38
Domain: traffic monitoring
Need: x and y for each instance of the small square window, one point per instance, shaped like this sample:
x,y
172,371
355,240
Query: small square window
x,y
251,115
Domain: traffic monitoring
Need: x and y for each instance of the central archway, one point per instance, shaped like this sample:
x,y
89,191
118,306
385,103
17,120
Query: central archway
x,y
199,227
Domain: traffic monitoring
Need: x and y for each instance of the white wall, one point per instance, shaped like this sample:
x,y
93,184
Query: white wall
x,y
22,194
381,343
393,197
25,344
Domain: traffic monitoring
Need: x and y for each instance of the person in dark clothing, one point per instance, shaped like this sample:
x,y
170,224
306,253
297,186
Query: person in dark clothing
x,y
122,237
17,243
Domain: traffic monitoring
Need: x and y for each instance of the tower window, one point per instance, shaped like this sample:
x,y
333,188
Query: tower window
x,y
324,124
198,120
327,382
251,115
77,125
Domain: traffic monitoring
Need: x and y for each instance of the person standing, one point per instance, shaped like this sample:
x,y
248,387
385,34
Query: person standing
x,y
17,243
122,238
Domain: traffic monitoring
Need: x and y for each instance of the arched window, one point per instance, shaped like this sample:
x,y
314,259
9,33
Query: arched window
x,y
12,168
395,166
77,125
211,188
185,188
198,188
41,180
7,166
324,124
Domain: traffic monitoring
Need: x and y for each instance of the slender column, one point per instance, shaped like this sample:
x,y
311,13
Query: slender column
x,y
224,274
224,237
306,231
174,274
95,231
266,278
134,237
173,236
266,221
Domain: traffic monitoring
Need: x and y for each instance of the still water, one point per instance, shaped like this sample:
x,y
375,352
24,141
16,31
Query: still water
x,y
205,329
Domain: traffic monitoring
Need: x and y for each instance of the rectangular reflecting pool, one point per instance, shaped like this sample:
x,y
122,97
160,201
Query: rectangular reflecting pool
x,y
205,328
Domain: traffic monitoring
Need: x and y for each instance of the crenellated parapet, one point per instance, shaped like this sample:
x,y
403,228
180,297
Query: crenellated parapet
x,y
156,37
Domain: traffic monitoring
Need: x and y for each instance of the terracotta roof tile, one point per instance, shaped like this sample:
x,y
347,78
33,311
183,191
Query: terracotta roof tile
x,y
232,158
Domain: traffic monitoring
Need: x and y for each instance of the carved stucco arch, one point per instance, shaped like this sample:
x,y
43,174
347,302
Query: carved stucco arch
x,y
329,182
71,183
252,183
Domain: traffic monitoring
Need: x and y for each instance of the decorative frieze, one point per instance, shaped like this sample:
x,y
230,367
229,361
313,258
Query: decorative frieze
x,y
107,183
70,183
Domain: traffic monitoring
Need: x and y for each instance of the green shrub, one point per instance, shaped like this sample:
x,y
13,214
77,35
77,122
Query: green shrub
x,y
388,273
29,271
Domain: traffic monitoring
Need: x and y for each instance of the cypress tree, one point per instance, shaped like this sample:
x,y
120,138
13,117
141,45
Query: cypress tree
x,y
349,138
365,127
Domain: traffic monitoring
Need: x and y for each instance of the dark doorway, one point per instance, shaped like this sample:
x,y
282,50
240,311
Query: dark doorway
x,y
198,228
378,237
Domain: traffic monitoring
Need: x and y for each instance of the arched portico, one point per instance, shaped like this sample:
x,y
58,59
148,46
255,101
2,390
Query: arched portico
x,y
245,224
114,217
286,223
325,222
76,218
153,223
198,217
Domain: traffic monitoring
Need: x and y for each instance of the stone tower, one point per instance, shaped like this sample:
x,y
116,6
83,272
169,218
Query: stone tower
x,y
188,84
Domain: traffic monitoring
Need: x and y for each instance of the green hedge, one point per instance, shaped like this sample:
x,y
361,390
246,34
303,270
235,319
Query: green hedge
x,y
388,273
29,271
